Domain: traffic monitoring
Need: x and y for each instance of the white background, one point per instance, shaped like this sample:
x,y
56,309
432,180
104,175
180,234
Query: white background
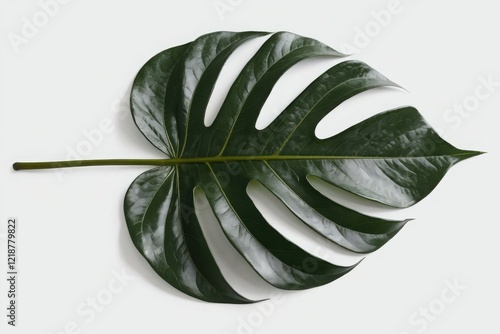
x,y
76,72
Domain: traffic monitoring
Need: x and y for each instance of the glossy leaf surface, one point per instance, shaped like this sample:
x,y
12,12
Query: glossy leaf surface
x,y
394,158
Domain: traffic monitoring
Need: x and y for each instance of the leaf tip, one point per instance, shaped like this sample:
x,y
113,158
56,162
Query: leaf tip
x,y
469,154
357,263
335,53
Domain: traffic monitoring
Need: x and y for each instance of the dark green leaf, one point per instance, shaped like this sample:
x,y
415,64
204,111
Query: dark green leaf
x,y
394,158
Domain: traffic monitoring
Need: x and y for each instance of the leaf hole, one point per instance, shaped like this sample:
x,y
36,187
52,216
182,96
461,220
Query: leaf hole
x,y
283,220
291,84
360,107
355,202
232,265
230,71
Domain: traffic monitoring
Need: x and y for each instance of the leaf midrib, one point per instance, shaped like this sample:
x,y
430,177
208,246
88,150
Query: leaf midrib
x,y
222,159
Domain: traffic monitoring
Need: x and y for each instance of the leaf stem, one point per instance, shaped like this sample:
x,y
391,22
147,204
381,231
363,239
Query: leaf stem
x,y
222,159
85,163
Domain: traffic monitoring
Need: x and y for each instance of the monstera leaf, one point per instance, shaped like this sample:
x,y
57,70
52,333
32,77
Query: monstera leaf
x,y
394,158
386,158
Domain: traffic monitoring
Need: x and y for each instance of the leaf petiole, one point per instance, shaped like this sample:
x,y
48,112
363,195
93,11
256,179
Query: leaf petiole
x,y
85,163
